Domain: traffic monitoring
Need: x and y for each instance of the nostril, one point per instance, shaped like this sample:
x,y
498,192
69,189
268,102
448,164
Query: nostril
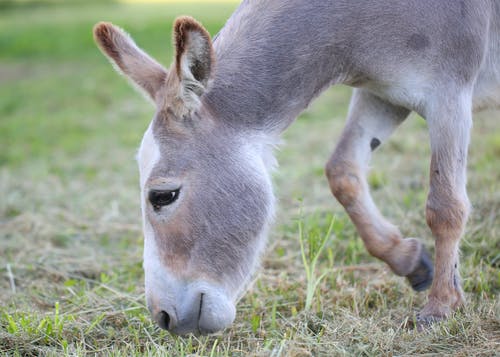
x,y
163,320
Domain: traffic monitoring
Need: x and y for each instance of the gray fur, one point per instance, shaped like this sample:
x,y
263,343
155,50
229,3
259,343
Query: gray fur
x,y
271,65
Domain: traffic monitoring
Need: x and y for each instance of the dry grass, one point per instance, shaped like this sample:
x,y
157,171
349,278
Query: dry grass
x,y
71,280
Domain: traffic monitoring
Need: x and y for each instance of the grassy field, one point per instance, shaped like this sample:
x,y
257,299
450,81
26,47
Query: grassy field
x,y
71,279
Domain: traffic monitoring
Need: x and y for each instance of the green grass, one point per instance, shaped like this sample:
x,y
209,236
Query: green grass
x,y
71,279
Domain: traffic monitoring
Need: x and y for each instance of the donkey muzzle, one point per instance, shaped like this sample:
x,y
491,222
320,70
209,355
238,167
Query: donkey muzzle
x,y
198,308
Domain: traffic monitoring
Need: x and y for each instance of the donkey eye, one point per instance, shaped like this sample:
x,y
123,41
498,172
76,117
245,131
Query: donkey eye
x,y
159,199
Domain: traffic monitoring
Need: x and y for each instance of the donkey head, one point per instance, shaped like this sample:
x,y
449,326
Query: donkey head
x,y
206,194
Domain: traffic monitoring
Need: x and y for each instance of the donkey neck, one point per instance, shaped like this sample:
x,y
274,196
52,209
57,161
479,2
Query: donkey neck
x,y
268,68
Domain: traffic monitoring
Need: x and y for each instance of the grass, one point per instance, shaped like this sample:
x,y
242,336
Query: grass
x,y
71,279
311,247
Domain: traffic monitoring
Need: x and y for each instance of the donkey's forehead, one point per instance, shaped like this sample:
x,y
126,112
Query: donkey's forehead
x,y
174,144
173,121
169,128
189,142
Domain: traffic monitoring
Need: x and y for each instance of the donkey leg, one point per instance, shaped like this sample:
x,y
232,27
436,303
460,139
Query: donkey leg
x,y
370,122
447,205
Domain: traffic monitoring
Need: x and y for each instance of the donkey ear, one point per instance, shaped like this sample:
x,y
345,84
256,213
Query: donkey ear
x,y
129,59
194,58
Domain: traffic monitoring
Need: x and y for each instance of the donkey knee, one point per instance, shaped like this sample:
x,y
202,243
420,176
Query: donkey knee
x,y
345,181
446,215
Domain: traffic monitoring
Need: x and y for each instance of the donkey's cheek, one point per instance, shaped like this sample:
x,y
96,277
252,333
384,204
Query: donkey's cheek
x,y
174,246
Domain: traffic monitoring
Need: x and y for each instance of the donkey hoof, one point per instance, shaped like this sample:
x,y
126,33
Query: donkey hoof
x,y
421,278
421,323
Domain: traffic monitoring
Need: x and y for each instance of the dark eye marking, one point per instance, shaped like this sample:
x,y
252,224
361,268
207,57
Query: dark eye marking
x,y
162,198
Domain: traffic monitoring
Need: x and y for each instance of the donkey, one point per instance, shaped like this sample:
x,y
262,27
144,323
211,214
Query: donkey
x,y
206,157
